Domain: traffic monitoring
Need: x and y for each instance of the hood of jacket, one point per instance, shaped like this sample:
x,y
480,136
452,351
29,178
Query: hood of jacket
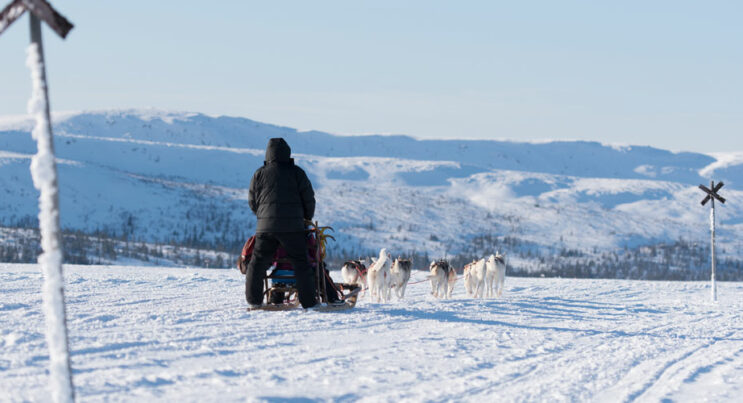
x,y
278,151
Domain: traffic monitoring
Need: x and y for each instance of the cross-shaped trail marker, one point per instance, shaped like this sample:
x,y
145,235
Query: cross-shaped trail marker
x,y
712,194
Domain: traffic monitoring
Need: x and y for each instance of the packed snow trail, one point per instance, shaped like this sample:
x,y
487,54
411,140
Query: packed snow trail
x,y
168,334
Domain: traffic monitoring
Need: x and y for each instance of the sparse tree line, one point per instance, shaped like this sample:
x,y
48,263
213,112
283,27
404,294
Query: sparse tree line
x,y
189,246
102,248
680,260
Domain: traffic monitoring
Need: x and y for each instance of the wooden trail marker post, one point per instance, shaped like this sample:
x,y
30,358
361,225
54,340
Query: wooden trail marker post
x,y
711,196
44,173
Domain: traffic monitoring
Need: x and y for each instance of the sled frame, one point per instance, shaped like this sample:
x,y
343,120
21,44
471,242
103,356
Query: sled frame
x,y
349,292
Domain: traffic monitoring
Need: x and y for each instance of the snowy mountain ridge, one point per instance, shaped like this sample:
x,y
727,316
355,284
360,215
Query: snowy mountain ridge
x,y
199,129
166,176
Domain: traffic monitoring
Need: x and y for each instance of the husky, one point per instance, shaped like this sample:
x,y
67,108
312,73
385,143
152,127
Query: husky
x,y
379,277
354,272
451,281
469,282
439,278
495,274
400,275
478,272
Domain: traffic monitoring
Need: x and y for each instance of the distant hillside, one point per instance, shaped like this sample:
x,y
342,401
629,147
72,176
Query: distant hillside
x,y
182,179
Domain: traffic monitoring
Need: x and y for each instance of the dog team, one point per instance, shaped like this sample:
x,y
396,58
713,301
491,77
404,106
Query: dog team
x,y
482,278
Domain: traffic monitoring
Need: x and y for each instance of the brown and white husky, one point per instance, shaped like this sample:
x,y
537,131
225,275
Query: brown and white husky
x,y
439,277
400,275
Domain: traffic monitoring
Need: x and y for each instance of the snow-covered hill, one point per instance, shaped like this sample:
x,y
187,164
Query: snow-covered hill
x,y
166,334
162,176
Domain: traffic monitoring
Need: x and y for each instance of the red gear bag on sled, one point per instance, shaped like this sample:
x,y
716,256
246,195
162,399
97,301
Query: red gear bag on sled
x,y
247,252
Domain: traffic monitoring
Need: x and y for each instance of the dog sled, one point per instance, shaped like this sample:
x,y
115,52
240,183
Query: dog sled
x,y
280,292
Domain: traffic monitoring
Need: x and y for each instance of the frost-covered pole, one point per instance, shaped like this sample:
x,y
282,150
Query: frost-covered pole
x,y
44,173
712,246
711,196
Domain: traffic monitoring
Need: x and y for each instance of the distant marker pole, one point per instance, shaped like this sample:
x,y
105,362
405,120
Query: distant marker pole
x,y
712,246
711,196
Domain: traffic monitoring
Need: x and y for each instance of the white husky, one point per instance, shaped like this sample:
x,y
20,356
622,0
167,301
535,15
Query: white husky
x,y
354,272
496,274
400,275
478,271
439,278
469,279
379,277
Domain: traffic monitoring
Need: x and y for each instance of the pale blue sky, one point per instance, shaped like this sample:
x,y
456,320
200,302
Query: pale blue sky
x,y
660,73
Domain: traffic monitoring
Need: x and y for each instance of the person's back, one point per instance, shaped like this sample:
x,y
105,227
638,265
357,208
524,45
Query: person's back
x,y
282,198
281,195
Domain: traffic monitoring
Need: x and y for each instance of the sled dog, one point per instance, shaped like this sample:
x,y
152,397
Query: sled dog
x,y
469,282
354,272
495,274
439,277
452,279
379,278
478,273
400,275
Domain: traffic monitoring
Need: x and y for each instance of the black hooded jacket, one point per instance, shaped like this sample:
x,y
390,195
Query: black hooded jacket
x,y
281,195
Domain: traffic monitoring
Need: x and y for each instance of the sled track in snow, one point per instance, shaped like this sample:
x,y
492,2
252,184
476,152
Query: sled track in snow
x,y
683,369
160,334
663,370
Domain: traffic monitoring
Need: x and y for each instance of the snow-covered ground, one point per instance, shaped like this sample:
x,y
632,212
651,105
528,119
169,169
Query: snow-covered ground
x,y
169,334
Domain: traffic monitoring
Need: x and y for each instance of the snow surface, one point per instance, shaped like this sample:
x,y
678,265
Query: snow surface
x,y
44,174
169,334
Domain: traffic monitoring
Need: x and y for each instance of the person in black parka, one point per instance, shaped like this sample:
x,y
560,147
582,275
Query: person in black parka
x,y
282,198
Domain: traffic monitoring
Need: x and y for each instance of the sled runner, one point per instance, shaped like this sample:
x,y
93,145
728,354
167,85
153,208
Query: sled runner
x,y
280,291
